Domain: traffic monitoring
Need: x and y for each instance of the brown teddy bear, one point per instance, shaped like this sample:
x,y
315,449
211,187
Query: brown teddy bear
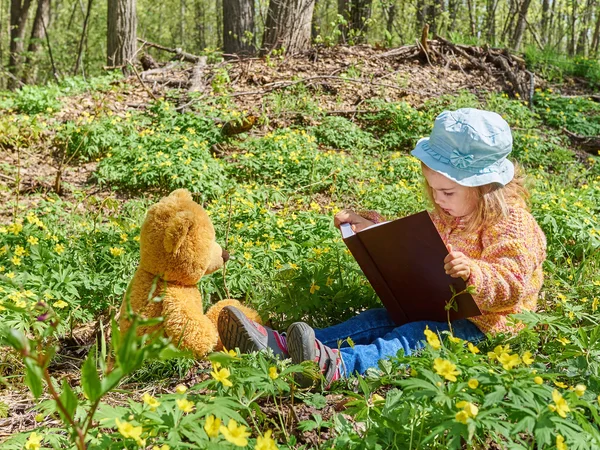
x,y
178,247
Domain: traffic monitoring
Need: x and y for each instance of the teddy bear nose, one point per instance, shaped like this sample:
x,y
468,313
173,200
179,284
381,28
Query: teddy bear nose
x,y
225,256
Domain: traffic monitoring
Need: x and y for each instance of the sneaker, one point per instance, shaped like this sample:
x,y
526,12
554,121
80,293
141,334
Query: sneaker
x,y
237,331
303,346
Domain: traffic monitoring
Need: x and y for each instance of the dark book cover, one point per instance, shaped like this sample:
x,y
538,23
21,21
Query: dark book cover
x,y
404,262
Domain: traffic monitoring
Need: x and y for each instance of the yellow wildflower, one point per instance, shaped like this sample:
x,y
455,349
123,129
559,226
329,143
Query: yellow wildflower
x,y
266,442
162,447
180,389
462,417
560,443
34,441
473,383
33,240
212,426
432,339
329,282
472,348
580,390
60,304
222,376
10,275
314,288
509,361
560,384
538,380
185,405
116,251
527,358
59,248
563,340
127,430
445,368
455,340
273,373
560,405
234,433
150,401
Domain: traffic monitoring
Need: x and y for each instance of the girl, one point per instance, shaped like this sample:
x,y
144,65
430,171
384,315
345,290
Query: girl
x,y
494,244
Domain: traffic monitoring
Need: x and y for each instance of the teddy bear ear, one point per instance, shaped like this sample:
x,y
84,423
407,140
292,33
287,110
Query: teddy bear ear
x,y
177,230
181,194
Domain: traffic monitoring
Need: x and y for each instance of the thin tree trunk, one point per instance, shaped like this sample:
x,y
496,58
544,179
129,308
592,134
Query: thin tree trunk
x,y
200,25
219,14
471,6
420,15
356,13
573,43
18,19
288,25
121,36
453,6
86,20
545,12
596,38
583,42
491,21
238,27
521,24
182,23
38,33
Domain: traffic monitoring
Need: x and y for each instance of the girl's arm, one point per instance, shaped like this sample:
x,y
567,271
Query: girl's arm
x,y
510,265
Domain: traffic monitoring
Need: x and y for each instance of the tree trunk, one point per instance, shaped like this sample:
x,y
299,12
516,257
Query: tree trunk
x,y
583,42
219,14
38,33
238,27
596,38
471,6
288,25
356,13
121,34
491,21
83,39
545,12
521,24
200,27
18,19
453,6
420,15
573,43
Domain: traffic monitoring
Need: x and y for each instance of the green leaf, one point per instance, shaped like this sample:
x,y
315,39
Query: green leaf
x,y
90,382
68,400
33,377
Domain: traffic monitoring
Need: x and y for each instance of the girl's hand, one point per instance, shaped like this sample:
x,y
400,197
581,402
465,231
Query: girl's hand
x,y
456,264
357,222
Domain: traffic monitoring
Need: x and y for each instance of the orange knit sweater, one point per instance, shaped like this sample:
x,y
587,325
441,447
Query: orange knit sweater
x,y
506,265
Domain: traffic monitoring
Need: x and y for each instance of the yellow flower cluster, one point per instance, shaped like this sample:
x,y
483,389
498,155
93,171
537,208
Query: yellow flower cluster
x,y
445,368
560,405
467,411
128,431
433,339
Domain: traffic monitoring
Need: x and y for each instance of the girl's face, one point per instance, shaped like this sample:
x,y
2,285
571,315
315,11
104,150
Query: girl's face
x,y
456,200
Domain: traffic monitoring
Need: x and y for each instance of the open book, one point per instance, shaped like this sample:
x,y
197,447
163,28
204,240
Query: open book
x,y
404,262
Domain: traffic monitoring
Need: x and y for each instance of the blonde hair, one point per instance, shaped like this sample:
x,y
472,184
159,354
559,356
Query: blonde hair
x,y
494,201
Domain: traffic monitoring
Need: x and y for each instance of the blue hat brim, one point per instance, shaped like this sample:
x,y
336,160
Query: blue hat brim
x,y
502,173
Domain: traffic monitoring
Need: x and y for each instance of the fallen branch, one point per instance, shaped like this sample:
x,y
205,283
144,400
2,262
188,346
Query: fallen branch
x,y
590,144
179,52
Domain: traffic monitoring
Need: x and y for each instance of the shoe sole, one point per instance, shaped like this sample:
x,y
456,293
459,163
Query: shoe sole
x,y
237,331
301,347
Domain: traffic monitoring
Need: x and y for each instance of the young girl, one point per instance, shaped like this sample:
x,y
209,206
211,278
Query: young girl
x,y
493,242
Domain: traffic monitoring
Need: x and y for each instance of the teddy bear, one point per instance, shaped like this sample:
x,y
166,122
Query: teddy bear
x,y
178,247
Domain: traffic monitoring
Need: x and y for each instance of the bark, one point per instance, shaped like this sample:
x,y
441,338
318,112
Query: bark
x,y
38,33
200,25
572,42
420,14
357,14
545,13
83,39
521,24
596,38
288,25
583,43
19,10
121,35
453,6
471,6
238,27
491,21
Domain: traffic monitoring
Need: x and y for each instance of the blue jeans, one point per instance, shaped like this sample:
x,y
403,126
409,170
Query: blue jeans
x,y
377,337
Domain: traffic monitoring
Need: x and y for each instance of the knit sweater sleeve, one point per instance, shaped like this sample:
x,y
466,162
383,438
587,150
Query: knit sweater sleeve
x,y
513,251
